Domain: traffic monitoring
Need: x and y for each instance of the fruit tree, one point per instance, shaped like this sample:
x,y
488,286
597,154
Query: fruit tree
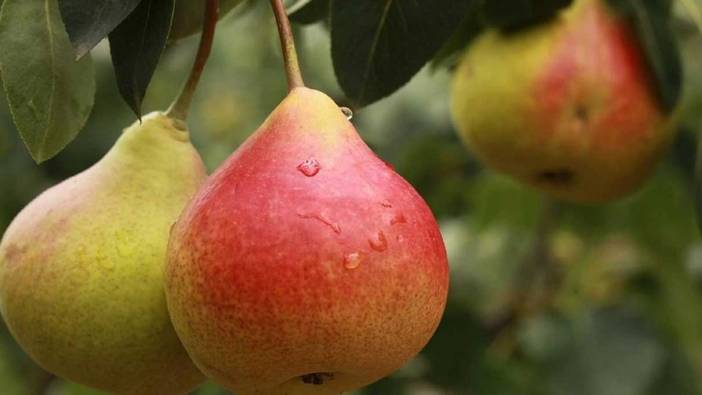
x,y
325,197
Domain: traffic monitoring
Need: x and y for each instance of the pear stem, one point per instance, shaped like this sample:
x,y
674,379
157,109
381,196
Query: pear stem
x,y
287,43
180,107
537,279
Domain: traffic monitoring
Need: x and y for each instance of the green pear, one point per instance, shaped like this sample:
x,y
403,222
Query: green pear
x,y
188,16
81,267
566,106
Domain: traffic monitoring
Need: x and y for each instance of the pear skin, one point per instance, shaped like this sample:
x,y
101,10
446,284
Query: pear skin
x,y
81,267
305,265
567,106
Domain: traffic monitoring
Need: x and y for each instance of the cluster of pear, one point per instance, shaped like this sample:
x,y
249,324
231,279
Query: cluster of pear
x,y
303,265
567,106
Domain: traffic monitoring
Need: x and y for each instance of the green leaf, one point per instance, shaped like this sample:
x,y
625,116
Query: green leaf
x,y
89,21
651,20
378,46
309,12
50,94
136,46
511,14
469,29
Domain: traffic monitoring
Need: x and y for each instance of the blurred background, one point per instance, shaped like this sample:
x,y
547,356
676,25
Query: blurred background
x,y
546,298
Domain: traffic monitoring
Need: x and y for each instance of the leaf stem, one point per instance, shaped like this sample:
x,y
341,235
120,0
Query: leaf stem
x,y
180,107
287,43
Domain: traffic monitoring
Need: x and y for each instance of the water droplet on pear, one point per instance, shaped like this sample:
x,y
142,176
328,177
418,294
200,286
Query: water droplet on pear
x,y
309,167
389,165
347,112
379,242
321,217
398,219
352,261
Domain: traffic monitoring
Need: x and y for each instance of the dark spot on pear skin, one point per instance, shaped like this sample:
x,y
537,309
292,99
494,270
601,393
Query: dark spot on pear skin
x,y
560,177
581,113
13,253
317,378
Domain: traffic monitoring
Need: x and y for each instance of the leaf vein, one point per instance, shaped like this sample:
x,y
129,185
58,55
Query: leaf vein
x,y
52,51
374,48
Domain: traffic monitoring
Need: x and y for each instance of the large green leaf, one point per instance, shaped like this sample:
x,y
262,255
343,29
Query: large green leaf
x,y
49,93
518,13
378,46
136,46
309,12
89,21
468,30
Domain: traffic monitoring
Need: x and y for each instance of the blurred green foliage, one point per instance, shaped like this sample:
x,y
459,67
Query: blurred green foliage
x,y
546,298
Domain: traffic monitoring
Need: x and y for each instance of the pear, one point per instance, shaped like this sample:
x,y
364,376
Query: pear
x,y
567,106
81,267
188,14
305,264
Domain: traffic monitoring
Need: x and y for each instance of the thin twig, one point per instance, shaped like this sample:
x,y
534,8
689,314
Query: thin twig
x,y
179,109
536,271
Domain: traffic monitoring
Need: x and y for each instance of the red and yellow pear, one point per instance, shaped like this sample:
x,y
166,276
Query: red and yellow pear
x,y
567,106
305,265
